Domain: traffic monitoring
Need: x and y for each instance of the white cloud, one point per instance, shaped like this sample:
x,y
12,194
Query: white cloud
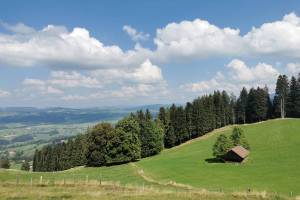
x,y
279,37
293,68
35,86
218,82
134,34
196,38
4,93
72,79
33,82
239,75
199,38
56,47
261,72
145,73
52,90
17,28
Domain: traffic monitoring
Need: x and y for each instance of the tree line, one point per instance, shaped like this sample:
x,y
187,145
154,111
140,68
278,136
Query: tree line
x,y
140,135
134,137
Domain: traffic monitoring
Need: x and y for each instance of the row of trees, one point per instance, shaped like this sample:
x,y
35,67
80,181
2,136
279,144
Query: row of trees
x,y
220,109
61,156
132,138
140,136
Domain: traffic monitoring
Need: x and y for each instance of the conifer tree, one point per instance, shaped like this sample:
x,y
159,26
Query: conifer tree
x,y
293,99
280,99
242,106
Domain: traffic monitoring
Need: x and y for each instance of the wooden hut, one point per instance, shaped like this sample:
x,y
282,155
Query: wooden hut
x,y
236,154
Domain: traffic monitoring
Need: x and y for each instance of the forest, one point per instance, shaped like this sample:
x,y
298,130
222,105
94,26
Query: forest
x,y
141,135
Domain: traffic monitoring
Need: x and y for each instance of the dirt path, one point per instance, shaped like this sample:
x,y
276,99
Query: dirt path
x,y
141,173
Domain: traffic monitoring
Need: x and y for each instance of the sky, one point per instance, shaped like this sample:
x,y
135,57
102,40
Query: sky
x,y
112,53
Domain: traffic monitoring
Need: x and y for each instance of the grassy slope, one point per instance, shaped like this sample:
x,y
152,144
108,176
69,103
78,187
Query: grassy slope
x,y
273,165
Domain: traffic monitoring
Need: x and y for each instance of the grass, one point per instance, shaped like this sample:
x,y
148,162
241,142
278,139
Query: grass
x,y
183,172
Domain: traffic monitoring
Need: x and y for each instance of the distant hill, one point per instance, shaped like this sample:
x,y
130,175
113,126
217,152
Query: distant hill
x,y
59,115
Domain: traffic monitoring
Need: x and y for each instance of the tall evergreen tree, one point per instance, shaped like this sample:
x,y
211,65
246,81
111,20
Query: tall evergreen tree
x,y
293,100
242,105
189,120
280,99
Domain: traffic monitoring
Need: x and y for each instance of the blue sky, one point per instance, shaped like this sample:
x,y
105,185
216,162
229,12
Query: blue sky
x,y
105,53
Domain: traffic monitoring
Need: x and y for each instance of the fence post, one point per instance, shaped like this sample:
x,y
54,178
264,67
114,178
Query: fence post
x,y
17,179
41,180
31,181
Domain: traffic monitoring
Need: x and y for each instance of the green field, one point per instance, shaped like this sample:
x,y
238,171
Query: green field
x,y
272,167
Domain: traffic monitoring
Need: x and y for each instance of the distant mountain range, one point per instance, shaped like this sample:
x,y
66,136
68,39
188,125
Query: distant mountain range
x,y
60,115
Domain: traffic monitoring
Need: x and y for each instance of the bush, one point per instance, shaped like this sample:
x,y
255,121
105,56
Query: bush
x,y
25,166
4,163
222,146
238,138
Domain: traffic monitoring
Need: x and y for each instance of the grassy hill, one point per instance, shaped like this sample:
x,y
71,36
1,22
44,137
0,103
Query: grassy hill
x,y
273,166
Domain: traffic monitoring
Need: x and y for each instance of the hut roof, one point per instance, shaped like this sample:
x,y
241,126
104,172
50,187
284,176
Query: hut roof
x,y
240,151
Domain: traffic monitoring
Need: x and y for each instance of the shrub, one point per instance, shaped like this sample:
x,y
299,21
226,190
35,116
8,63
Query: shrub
x,y
25,166
4,163
238,138
222,146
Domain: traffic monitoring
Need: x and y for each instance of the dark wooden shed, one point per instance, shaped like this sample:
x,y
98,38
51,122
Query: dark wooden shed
x,y
236,154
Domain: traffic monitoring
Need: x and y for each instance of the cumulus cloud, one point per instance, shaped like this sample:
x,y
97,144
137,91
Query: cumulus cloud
x,y
239,75
196,38
145,73
218,82
134,34
261,72
279,37
199,39
55,46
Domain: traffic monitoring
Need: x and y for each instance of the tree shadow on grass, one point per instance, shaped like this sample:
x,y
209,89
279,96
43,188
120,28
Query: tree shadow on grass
x,y
214,160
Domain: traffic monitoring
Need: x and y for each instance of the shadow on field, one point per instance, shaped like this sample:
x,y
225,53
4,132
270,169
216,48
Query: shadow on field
x,y
214,160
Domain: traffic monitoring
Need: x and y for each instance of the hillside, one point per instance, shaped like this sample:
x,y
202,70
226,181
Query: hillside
x,y
272,166
23,129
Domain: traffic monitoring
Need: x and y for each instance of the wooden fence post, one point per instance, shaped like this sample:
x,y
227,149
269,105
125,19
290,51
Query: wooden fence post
x,y
17,179
41,180
31,181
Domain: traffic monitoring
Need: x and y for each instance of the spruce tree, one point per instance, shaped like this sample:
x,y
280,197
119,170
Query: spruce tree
x,y
293,99
280,99
242,106
169,137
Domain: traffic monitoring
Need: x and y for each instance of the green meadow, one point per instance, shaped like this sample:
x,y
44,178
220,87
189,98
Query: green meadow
x,y
272,171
